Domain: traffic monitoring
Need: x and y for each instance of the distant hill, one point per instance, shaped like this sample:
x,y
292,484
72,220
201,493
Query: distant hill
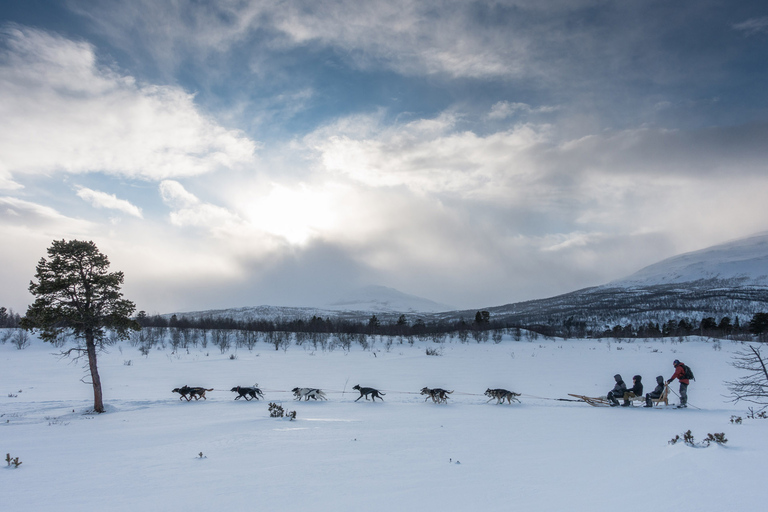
x,y
380,299
359,304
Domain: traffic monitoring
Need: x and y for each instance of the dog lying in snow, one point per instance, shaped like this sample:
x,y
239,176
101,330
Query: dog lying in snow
x,y
307,393
501,394
364,392
438,395
242,392
191,392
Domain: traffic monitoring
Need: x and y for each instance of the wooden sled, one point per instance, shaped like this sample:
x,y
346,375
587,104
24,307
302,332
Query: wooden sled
x,y
604,402
593,401
663,398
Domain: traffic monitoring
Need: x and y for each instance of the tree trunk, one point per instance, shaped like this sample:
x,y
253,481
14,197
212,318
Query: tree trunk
x,y
98,404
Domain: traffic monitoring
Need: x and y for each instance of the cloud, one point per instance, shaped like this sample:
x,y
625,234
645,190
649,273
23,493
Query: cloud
x,y
753,26
188,210
531,181
20,215
505,109
429,156
109,201
64,112
412,37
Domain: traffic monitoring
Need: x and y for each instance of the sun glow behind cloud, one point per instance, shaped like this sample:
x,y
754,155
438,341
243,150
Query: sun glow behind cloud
x,y
296,214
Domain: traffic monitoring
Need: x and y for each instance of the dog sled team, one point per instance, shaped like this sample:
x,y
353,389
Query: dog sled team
x,y
438,395
682,373
620,391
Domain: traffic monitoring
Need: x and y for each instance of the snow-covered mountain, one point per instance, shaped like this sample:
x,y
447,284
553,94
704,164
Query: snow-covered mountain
x,y
741,262
381,299
729,279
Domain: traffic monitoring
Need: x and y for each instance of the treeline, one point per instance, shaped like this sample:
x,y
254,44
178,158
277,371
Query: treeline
x,y
725,327
402,327
184,331
9,319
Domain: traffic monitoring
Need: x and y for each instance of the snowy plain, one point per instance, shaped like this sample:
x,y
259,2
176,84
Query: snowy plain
x,y
403,454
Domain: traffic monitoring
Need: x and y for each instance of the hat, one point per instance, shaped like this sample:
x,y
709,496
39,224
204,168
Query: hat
x,y
675,362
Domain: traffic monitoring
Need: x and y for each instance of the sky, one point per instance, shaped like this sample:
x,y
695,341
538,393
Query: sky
x,y
240,153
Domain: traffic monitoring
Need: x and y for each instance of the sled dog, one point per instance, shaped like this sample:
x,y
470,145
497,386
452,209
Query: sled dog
x,y
438,395
501,394
242,392
364,392
307,393
191,392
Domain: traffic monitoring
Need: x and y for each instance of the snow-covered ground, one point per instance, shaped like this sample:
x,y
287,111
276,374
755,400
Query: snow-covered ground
x,y
403,454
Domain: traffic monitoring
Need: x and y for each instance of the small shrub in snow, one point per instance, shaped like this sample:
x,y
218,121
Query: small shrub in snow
x,y
15,462
232,357
736,420
277,411
201,456
689,440
53,421
127,362
20,339
434,351
716,438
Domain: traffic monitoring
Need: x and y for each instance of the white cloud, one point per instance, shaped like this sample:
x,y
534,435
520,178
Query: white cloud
x,y
20,215
753,26
409,36
108,201
62,111
190,211
505,109
428,156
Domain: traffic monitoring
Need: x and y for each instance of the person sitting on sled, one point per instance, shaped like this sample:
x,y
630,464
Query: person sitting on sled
x,y
637,389
657,391
618,391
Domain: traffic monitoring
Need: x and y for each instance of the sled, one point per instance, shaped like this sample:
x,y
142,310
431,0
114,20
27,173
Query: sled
x,y
604,402
663,398
593,401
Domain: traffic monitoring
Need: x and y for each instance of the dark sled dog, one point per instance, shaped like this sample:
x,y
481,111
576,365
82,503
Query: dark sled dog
x,y
501,394
191,392
438,395
307,393
242,392
364,392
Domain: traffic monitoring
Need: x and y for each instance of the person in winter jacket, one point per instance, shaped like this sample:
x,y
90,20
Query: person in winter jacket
x,y
618,390
680,376
656,393
637,389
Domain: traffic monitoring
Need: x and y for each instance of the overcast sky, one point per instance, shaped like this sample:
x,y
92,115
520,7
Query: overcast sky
x,y
238,153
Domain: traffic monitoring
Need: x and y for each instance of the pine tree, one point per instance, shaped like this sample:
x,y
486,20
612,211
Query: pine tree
x,y
76,293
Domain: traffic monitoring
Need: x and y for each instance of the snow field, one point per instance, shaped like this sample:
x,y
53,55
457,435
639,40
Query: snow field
x,y
400,454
